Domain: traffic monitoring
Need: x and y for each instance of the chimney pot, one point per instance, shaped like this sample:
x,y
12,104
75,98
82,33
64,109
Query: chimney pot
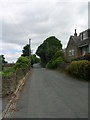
x,y
75,34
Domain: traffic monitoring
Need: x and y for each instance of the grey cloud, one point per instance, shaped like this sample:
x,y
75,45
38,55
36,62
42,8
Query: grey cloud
x,y
39,20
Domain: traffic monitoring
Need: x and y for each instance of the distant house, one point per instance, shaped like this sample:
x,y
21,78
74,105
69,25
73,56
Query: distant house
x,y
78,45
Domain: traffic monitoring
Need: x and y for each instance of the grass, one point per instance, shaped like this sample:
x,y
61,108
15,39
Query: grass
x,y
8,72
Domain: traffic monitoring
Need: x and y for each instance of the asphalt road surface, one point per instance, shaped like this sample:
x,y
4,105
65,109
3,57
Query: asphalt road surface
x,y
0,97
50,94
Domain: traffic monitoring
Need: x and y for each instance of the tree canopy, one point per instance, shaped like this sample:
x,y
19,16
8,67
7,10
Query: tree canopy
x,y
48,48
34,59
2,59
25,50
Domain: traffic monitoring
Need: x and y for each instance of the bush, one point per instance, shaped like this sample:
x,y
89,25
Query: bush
x,y
50,64
77,59
58,54
12,76
54,63
85,57
22,62
80,69
87,71
34,59
8,72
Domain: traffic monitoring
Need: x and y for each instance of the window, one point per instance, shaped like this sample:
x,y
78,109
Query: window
x,y
81,36
85,35
83,51
89,49
71,52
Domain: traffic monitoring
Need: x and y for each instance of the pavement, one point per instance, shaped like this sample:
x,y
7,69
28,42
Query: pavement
x,y
50,94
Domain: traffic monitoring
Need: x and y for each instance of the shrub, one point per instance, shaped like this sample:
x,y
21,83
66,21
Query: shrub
x,y
12,76
8,72
79,69
50,64
77,59
22,62
54,63
59,60
34,59
87,71
85,57
58,54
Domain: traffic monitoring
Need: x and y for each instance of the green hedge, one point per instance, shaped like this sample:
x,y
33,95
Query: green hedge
x,y
8,72
80,69
22,62
85,57
54,63
58,54
34,59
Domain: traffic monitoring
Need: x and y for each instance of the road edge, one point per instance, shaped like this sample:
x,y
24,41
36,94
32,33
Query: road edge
x,y
12,102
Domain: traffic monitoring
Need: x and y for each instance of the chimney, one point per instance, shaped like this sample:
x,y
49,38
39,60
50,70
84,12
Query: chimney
x,y
75,34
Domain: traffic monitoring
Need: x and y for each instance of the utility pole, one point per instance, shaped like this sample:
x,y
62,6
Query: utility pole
x,y
30,50
46,53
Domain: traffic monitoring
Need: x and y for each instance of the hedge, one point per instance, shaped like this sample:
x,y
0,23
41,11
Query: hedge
x,y
85,57
80,69
22,62
54,63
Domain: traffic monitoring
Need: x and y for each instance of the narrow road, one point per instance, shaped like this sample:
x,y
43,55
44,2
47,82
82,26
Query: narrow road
x,y
0,97
49,94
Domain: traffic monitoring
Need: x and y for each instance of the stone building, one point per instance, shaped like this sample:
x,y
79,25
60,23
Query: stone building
x,y
78,45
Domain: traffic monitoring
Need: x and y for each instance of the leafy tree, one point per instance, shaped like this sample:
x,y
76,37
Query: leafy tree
x,y
34,59
50,52
48,48
25,50
2,59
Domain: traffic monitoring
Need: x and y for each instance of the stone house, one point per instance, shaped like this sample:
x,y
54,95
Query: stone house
x,y
78,45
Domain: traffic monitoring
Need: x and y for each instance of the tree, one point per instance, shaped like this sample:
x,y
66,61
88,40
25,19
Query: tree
x,y
34,59
48,48
57,59
25,50
2,59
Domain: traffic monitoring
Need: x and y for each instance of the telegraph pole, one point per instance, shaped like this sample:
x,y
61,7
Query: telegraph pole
x,y
47,50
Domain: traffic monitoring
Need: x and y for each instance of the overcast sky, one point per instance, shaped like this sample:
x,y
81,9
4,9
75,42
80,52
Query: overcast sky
x,y
38,19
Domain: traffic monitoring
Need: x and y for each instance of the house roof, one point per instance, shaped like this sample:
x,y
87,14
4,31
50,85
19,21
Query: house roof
x,y
85,30
77,40
80,43
84,42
